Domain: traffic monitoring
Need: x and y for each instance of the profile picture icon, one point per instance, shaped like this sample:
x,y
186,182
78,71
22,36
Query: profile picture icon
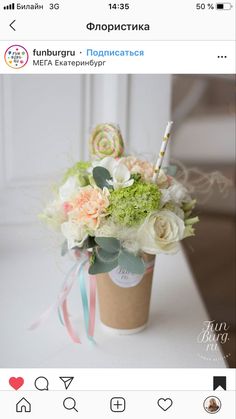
x,y
16,56
212,405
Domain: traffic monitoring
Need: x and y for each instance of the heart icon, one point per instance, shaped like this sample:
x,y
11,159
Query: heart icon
x,y
16,383
165,404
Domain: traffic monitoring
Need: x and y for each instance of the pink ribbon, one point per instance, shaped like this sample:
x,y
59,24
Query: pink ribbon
x,y
62,303
68,325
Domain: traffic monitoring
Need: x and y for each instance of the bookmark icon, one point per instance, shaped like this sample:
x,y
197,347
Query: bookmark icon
x,y
67,381
219,381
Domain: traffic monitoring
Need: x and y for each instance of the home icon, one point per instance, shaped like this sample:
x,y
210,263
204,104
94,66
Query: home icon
x,y
23,406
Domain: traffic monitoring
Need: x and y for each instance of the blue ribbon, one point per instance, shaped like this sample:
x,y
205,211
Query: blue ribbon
x,y
83,291
84,297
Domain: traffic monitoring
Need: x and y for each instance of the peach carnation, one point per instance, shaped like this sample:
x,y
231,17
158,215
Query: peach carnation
x,y
88,206
144,168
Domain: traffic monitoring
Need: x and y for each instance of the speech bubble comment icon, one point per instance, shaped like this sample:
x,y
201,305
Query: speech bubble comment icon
x,y
41,384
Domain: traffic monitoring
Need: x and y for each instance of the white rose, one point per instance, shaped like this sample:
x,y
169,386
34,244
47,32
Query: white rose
x,y
74,233
176,193
161,232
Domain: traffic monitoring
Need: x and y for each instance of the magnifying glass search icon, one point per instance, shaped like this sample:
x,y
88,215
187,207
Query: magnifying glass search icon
x,y
70,404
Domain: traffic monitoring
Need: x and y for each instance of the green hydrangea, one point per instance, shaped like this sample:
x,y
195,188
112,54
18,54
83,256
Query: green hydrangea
x,y
130,206
80,171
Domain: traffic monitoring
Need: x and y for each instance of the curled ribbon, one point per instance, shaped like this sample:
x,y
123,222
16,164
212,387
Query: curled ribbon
x,y
89,308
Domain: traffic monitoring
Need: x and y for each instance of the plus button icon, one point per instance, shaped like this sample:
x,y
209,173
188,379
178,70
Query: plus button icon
x,y
117,404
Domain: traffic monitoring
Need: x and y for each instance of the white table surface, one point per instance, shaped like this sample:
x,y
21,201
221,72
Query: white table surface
x,y
31,273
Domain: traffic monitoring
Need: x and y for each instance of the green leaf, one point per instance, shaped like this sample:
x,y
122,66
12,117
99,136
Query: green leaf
x,y
99,267
131,262
101,175
110,244
64,248
105,256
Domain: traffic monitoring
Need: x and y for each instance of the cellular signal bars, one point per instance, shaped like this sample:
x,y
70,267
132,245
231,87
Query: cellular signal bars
x,y
10,6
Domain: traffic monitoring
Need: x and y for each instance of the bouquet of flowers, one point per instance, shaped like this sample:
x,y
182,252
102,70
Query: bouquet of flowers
x,y
116,207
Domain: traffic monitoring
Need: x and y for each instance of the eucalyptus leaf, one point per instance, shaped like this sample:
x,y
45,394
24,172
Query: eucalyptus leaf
x,y
105,256
64,248
131,262
99,267
101,176
110,244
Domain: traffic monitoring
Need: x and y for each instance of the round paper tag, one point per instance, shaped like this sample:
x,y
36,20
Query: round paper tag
x,y
124,279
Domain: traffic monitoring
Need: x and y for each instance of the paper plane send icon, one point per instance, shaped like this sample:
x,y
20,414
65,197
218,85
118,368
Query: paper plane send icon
x,y
67,381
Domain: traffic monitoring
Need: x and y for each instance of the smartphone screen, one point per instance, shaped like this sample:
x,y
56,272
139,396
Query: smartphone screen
x,y
117,209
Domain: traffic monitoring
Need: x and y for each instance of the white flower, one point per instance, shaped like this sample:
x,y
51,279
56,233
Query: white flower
x,y
108,163
162,180
143,167
129,239
68,189
54,215
178,211
174,208
121,177
75,233
107,228
176,193
127,236
161,232
119,172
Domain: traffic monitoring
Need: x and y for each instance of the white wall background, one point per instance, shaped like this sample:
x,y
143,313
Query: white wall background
x,y
45,123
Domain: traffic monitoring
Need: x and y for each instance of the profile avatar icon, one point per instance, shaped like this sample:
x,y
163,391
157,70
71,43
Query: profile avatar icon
x,y
16,56
212,405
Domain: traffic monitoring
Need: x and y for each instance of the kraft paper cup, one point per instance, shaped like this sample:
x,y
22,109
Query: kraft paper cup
x,y
124,299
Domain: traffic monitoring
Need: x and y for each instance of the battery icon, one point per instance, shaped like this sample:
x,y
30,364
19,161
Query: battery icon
x,y
224,6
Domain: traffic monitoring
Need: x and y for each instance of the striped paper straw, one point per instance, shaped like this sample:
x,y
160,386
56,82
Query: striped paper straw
x,y
162,151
